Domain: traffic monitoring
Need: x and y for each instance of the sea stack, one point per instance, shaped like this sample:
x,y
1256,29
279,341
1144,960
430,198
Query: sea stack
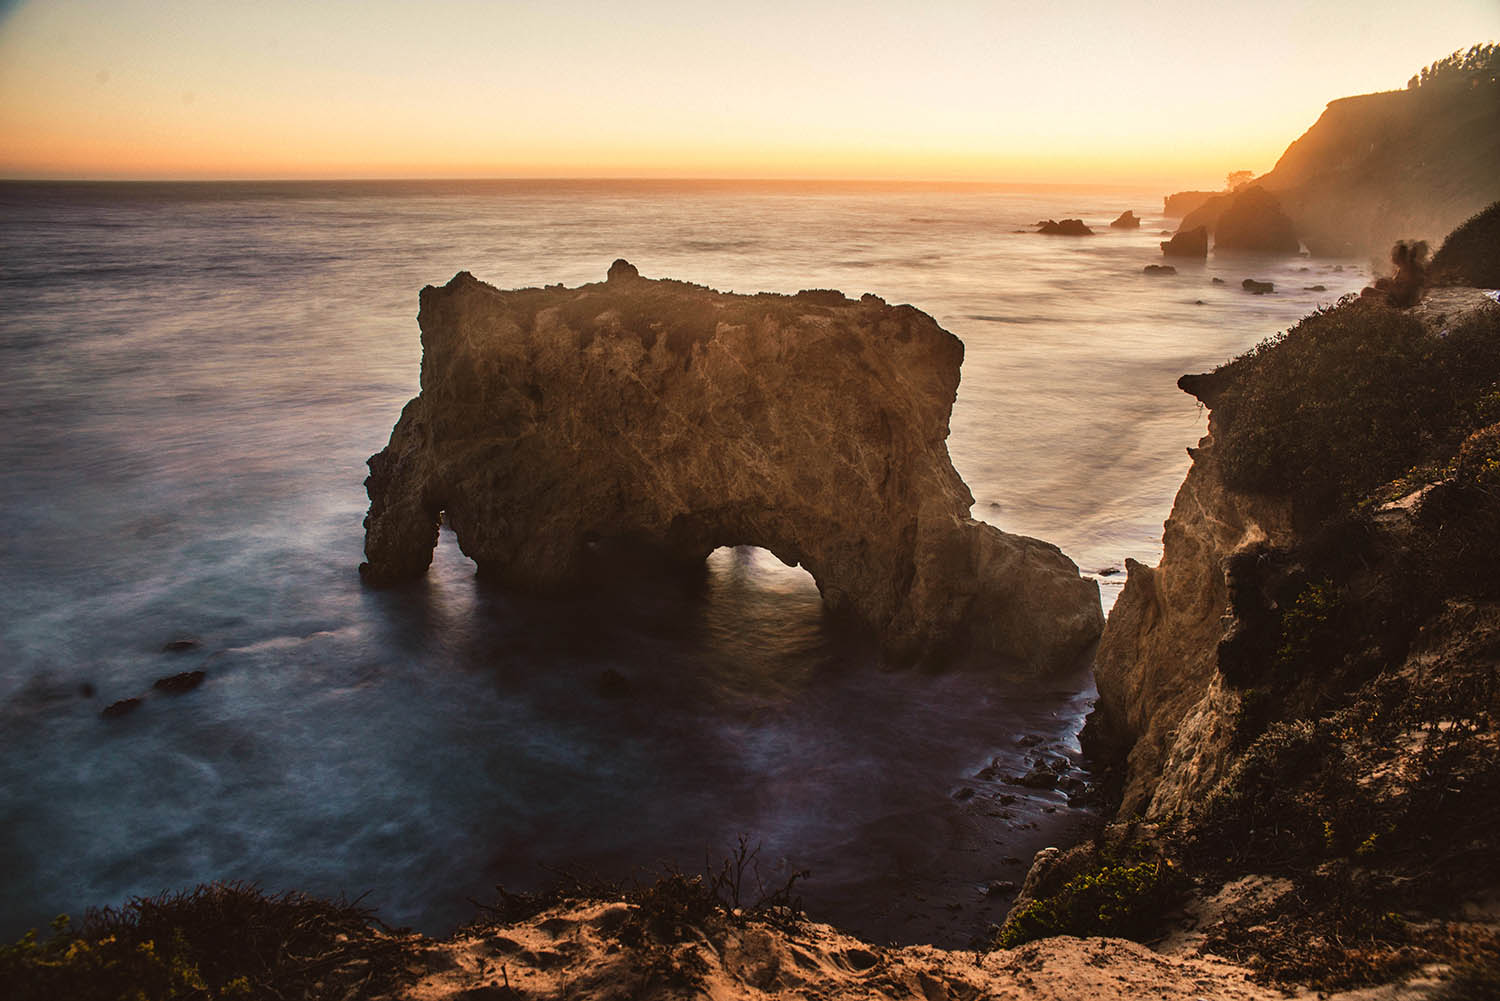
x,y
1192,243
562,431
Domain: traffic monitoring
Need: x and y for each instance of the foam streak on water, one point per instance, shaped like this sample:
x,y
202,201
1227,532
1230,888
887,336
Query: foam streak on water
x,y
191,378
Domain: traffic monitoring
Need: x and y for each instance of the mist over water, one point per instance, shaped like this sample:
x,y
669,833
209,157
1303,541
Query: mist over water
x,y
191,377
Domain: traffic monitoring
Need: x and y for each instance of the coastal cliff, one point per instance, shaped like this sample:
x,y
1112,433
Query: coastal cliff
x,y
565,433
1376,168
1300,704
1162,704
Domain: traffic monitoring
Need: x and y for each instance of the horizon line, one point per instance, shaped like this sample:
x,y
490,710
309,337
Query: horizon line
x,y
574,179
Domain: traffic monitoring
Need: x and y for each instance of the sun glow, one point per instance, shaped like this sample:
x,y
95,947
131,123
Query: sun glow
x,y
963,91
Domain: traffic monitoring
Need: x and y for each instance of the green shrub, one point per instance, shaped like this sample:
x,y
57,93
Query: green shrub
x,y
218,941
1349,399
1122,898
1471,253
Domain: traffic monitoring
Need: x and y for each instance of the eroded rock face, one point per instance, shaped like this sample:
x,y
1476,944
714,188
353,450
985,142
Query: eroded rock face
x,y
558,429
1163,707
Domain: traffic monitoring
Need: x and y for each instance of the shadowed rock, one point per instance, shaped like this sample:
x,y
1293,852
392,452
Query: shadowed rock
x,y
1255,287
1068,227
1192,243
562,431
1253,220
1126,220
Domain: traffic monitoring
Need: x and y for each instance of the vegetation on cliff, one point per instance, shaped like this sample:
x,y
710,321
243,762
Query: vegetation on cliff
x,y
1471,253
224,941
1352,716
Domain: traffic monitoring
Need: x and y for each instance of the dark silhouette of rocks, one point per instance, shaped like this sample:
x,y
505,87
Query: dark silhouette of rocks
x,y
1218,281
181,644
1159,269
572,433
1127,220
176,684
1257,287
121,708
1068,227
1191,243
1253,220
1315,288
622,270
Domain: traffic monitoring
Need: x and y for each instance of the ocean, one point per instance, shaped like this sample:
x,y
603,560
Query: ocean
x,y
191,379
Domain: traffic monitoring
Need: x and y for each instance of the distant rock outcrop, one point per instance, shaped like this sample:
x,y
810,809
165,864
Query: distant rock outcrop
x,y
1189,243
564,431
1126,220
1068,227
1255,287
1180,204
1253,220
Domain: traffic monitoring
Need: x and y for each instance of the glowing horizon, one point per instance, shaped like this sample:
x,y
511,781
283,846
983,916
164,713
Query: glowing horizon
x,y
970,92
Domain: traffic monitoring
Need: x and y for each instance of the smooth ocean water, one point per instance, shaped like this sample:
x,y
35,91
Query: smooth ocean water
x,y
191,377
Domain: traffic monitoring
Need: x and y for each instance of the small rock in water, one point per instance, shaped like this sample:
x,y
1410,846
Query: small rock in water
x,y
1000,886
965,793
1315,288
86,690
1218,281
1109,571
180,645
1029,740
117,709
1068,227
1257,288
1159,269
1127,220
176,684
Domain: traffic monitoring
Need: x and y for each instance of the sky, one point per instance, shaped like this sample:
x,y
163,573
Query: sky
x,y
1163,92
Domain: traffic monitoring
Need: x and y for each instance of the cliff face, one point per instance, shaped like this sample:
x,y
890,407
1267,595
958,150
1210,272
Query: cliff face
x,y
565,431
1399,165
1303,699
1163,709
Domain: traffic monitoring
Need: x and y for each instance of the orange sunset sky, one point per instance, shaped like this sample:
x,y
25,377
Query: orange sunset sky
x,y
1165,92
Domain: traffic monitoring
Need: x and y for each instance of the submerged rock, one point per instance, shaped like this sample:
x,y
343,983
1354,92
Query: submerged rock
x,y
1191,243
117,709
570,433
1159,269
177,683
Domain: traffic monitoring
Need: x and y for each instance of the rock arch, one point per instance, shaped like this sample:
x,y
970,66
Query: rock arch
x,y
556,426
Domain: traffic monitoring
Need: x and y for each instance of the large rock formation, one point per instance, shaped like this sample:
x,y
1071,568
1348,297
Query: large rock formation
x,y
1253,220
561,430
1187,243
